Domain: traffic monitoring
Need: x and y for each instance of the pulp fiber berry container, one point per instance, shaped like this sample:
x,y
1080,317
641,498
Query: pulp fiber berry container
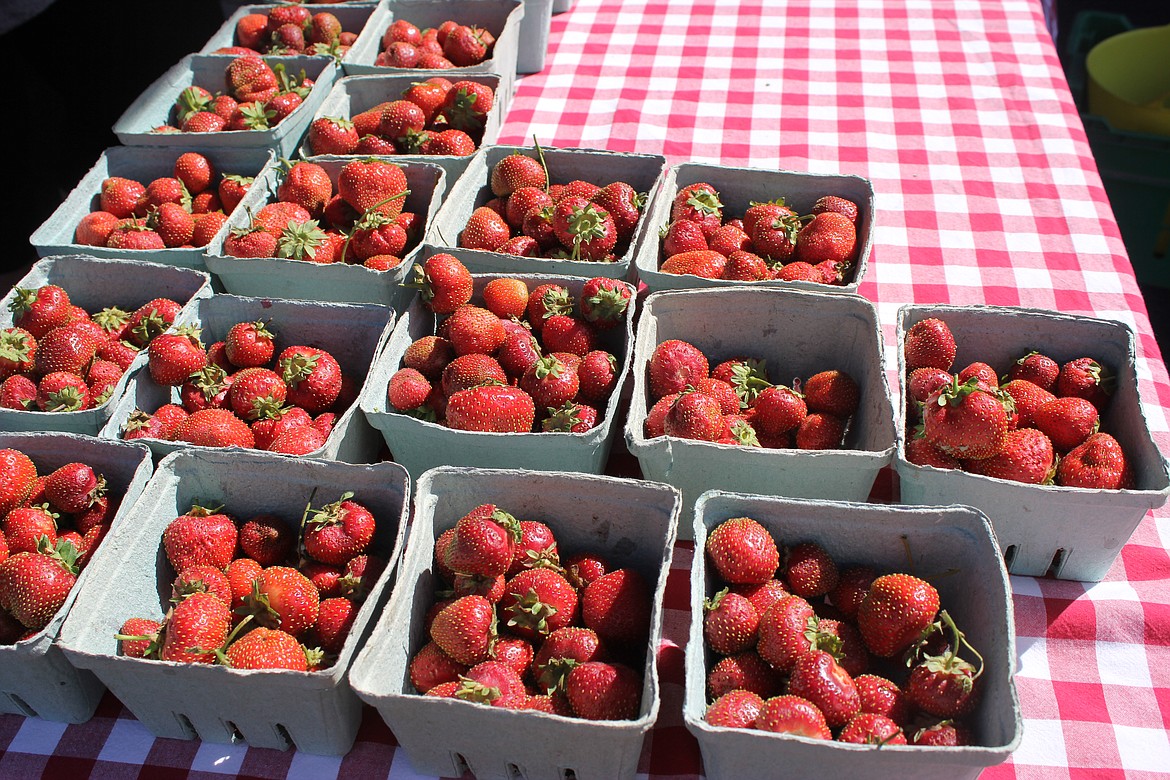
x,y
1071,533
355,94
502,18
738,188
643,172
282,277
534,31
954,542
56,235
36,679
153,107
797,334
353,334
315,712
364,20
629,522
94,284
420,445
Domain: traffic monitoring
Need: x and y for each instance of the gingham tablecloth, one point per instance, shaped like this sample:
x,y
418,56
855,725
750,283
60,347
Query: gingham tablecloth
x,y
959,113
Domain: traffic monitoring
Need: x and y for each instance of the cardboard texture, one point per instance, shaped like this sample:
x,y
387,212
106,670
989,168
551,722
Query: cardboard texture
x,y
94,284
315,712
1070,533
281,277
631,523
502,18
977,595
353,334
798,334
738,187
534,32
419,445
36,679
365,20
55,235
354,94
154,106
643,172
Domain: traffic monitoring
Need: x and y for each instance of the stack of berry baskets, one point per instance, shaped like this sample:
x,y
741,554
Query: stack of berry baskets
x,y
714,226
179,666
73,331
94,501
1062,461
278,375
614,538
790,394
438,119
486,40
562,412
574,212
211,101
160,205
927,590
331,230
294,30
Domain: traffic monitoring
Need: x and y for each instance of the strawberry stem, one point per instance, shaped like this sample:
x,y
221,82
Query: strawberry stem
x,y
540,155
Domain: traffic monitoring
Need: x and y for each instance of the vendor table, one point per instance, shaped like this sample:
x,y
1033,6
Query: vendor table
x,y
959,113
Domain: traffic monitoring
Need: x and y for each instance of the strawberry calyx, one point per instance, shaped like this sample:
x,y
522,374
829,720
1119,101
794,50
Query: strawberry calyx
x,y
67,399
152,649
111,318
425,413
531,613
791,226
414,140
300,240
210,381
137,420
63,553
462,114
749,379
819,639
198,510
256,116
297,367
235,178
314,656
371,219
189,588
330,514
23,300
289,83
705,202
556,301
470,690
549,367
713,603
954,394
509,524
744,434
562,419
14,347
780,201
191,100
153,324
586,224
555,674
607,304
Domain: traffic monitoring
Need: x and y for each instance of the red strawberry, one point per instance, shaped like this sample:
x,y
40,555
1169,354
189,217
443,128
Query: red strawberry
x,y
484,542
18,392
214,428
471,329
250,241
550,382
18,350
1028,399
929,344
624,205
465,46
196,628
833,392
467,105
602,691
694,416
465,629
232,190
468,371
256,393
829,236
742,551
746,267
250,78
408,389
704,263
618,607
149,320
66,348
778,410
485,230
699,203
201,579
944,734
313,377
1036,368
1067,421
200,537
516,171
820,432
264,648
249,344
683,236
333,135
895,612
449,142
882,697
674,365
1098,462
782,632
561,651
40,310
62,392
18,474
206,389
445,282
25,526
981,371
139,638
809,570
431,666
735,710
120,196
491,408
267,539
817,677
604,301
284,598
74,487
401,30
241,573
792,715
965,421
493,683
373,186
944,686
746,671
866,728
339,531
537,602
922,453
1085,378
730,623
335,618
298,440
1027,456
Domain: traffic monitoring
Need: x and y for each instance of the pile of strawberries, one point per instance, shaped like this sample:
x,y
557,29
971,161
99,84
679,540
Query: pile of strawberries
x,y
290,30
52,524
180,210
770,241
450,45
258,97
57,358
1041,426
434,116
266,605
772,631
516,626
531,218
523,357
361,222
229,399
736,402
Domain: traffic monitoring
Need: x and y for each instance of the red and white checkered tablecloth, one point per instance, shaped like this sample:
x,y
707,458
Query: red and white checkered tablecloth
x,y
959,113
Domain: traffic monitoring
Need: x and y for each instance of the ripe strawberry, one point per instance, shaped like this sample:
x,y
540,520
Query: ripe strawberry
x,y
817,677
401,30
683,236
699,203
1098,462
174,225
120,196
516,171
468,371
338,531
820,432
255,393
284,598
373,186
694,416
674,365
214,428
18,474
139,638
465,46
829,236
809,570
604,301
944,734
407,389
313,377
742,671
485,230
267,539
506,298
782,629
467,104
134,234
746,267
200,537
1036,368
298,440
196,628
203,578
704,263
866,728
563,333
1027,456
431,666
74,487
263,648
40,310
465,630
561,651
601,691
268,429
493,409
550,382
493,683
514,653
205,389
445,282
241,573
570,417
882,697
484,542
929,344
778,410
1085,378
232,190
333,135
18,351
944,686
250,78
1067,421
335,618
249,344
833,392
965,421
537,602
729,623
61,391
742,551
618,607
471,329
25,526
790,714
735,710
1028,399
895,612
67,348
18,392
94,228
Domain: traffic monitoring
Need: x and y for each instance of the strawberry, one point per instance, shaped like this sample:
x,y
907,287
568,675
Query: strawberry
x,y
18,392
445,282
537,547
25,526
981,371
867,728
333,135
283,598
601,691
484,542
570,417
61,391
74,487
597,376
604,301
514,653
506,298
251,31
493,683
563,333
929,344
241,573
66,348
471,329
1085,378
618,607
174,225
164,190
809,570
430,666
1036,368
250,241
729,623
200,537
298,440
829,236
550,382
516,171
778,410
833,392
313,377
149,320
268,429
94,228
944,734
742,671
335,619
683,236
545,301
401,30
40,310
324,28
196,628
34,585
587,230
266,539
214,428
922,453
250,78
307,185
698,203
1067,421
1027,456
694,416
407,389
1098,462
139,638
735,710
782,629
249,344
1028,399
493,409
624,205
120,196
467,104
537,602
895,612
134,234
817,677
882,697
255,393
465,46
263,648
450,142
561,651
465,630
965,421
790,714
485,230
338,531
17,476
820,432
745,267
704,263
206,389
468,371
729,239
674,365
742,551
232,190
201,579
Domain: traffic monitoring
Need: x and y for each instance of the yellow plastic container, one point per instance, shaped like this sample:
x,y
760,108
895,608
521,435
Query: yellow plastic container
x,y
1129,80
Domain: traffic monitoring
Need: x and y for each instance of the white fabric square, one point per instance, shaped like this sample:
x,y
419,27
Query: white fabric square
x,y
37,736
129,742
1121,663
1042,745
1141,749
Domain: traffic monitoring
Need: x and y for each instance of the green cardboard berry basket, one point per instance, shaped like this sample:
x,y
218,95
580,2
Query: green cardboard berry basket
x,y
368,19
